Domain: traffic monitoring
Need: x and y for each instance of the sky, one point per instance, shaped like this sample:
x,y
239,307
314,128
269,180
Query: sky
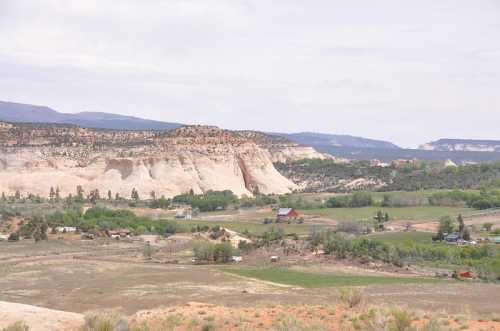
x,y
403,71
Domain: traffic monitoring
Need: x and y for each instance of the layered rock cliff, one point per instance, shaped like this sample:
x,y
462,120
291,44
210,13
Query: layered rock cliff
x,y
462,145
34,158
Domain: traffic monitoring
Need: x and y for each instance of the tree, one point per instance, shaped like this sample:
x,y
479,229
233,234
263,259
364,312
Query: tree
x,y
446,226
52,194
17,195
94,196
79,192
466,234
110,195
58,194
4,198
152,194
461,225
135,195
380,219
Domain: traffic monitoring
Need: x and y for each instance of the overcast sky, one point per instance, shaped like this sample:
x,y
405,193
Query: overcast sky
x,y
404,71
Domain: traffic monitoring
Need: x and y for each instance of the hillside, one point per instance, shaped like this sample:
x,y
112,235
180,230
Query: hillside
x,y
24,113
331,176
463,145
36,157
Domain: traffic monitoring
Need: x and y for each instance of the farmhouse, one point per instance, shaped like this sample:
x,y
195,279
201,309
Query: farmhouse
x,y
286,214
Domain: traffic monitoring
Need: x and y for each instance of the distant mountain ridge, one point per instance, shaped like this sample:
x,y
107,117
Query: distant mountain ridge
x,y
322,139
24,113
19,113
462,145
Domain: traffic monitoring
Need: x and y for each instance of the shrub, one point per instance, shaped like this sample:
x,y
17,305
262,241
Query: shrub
x,y
374,320
209,252
351,297
17,326
292,324
350,227
105,321
343,201
13,237
401,320
209,326
148,251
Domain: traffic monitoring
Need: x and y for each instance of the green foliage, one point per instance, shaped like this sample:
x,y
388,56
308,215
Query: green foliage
x,y
259,200
148,251
101,219
271,236
13,237
356,200
210,201
161,203
298,202
414,176
484,259
342,201
316,280
205,251
36,227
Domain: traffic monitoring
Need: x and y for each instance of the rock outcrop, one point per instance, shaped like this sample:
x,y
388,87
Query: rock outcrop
x,y
462,145
36,157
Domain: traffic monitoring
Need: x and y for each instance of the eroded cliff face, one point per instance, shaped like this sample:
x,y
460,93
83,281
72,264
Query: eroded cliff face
x,y
35,158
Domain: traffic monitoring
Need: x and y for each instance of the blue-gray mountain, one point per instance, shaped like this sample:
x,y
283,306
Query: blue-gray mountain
x,y
17,112
23,113
334,140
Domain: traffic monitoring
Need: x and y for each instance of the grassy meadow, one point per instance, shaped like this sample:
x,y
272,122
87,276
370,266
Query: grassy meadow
x,y
315,280
398,213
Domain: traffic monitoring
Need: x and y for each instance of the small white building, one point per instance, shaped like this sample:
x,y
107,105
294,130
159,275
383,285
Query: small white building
x,y
66,229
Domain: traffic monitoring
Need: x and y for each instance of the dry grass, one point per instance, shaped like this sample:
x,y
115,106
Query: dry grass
x,y
17,326
351,297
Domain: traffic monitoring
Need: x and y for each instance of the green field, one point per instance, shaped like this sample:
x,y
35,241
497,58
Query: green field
x,y
315,280
403,238
254,228
400,213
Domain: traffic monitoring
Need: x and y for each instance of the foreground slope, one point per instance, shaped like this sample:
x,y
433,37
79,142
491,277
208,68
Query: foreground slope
x,y
34,158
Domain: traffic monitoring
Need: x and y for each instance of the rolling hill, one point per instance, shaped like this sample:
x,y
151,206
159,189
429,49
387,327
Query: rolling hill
x,y
24,113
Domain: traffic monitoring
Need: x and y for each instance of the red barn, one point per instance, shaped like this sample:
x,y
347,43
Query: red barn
x,y
286,214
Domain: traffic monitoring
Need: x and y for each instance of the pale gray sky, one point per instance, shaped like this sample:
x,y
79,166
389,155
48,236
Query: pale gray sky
x,y
405,71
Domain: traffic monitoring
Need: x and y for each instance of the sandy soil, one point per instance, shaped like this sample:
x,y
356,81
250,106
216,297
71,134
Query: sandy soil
x,y
38,319
278,317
